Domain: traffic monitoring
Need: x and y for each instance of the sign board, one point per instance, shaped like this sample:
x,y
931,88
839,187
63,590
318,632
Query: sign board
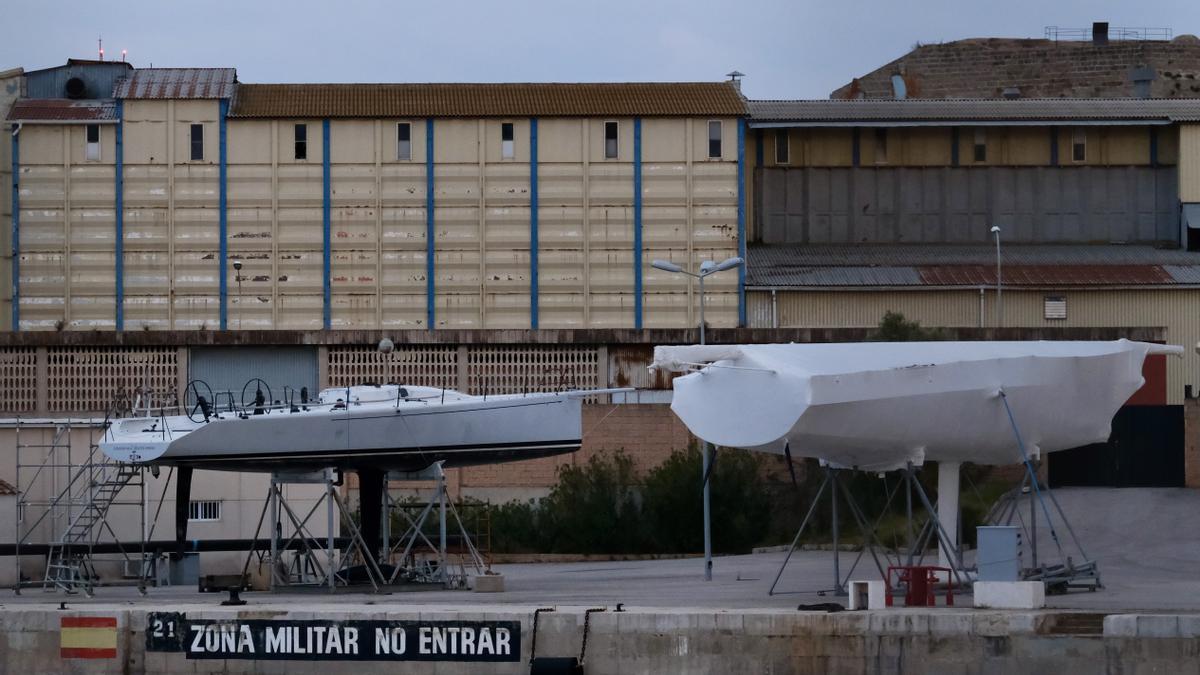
x,y
323,640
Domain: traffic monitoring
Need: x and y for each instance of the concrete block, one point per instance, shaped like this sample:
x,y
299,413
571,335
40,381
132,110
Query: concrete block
x,y
1189,626
1120,625
1010,594
489,583
946,624
1157,626
868,595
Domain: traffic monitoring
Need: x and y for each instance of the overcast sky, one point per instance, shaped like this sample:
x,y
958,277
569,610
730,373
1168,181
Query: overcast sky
x,y
788,49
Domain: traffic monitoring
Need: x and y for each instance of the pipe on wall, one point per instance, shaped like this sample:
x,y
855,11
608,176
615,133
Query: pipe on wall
x,y
326,227
119,216
430,249
223,213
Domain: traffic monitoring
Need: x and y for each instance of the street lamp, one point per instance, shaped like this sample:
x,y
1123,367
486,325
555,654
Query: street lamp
x,y
237,276
999,286
707,268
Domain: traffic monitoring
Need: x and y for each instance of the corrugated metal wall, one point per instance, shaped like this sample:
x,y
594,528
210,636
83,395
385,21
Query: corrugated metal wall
x,y
98,79
1189,162
943,204
1174,310
227,369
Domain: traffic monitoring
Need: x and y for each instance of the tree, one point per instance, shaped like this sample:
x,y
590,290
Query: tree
x,y
895,328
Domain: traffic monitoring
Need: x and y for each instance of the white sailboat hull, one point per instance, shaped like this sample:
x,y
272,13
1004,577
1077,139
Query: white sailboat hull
x,y
878,406
400,435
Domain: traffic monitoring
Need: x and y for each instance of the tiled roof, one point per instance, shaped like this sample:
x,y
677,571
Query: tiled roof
x,y
975,110
969,266
62,110
487,100
177,83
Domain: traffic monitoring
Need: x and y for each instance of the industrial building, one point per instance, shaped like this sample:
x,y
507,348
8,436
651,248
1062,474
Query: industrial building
x,y
170,224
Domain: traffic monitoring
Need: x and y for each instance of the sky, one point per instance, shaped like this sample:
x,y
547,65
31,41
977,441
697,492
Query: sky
x,y
788,49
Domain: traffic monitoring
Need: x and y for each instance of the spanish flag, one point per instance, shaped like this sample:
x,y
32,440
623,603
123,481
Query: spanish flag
x,y
88,637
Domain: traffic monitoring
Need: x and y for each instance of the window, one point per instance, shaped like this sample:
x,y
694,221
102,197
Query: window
x,y
714,139
980,146
208,510
93,143
506,140
197,142
301,141
1054,307
610,140
403,141
782,147
881,149
1079,146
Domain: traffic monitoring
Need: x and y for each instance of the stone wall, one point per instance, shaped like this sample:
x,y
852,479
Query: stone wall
x,y
984,67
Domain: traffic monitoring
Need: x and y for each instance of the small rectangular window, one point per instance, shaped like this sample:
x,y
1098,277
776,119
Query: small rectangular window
x,y
980,146
783,147
403,141
197,138
1079,146
1055,307
610,140
506,140
93,143
714,139
204,510
301,141
881,146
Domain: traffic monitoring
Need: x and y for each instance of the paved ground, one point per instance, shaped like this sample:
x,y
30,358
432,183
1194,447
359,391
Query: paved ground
x,y
1147,543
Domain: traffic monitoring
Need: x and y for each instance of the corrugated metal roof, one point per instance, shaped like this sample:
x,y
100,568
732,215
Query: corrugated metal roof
x,y
62,110
1045,275
487,100
977,110
968,266
177,83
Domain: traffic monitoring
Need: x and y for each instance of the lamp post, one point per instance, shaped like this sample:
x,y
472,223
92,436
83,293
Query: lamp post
x,y
999,285
706,268
237,276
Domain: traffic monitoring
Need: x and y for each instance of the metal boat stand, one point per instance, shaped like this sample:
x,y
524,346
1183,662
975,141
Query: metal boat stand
x,y
309,567
917,542
417,558
1066,573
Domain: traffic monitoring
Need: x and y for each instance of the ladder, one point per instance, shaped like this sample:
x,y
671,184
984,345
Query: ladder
x,y
69,561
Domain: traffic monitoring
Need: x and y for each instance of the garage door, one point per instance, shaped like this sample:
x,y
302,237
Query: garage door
x,y
227,370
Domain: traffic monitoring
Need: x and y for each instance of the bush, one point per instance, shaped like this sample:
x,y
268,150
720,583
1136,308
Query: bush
x,y
593,508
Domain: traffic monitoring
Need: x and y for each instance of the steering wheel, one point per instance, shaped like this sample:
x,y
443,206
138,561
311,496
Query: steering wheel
x,y
194,401
258,401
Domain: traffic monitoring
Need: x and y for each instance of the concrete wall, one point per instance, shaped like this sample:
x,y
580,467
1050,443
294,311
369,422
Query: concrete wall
x,y
482,247
650,641
1170,309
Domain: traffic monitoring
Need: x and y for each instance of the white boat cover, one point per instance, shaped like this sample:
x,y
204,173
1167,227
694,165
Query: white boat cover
x,y
878,405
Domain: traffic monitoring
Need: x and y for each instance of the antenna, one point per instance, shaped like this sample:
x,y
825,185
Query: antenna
x,y
100,46
124,53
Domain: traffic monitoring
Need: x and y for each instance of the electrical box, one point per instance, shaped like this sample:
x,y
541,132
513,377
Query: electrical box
x,y
999,556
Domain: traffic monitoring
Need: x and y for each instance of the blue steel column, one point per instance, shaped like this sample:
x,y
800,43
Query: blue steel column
x,y
119,216
223,215
741,219
637,223
326,227
16,231
533,223
429,243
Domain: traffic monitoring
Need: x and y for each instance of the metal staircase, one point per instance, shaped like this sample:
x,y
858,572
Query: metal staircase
x,y
69,563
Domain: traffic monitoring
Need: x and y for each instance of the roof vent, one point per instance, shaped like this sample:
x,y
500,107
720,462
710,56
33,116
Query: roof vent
x,y
899,88
75,88
1011,93
1100,33
736,78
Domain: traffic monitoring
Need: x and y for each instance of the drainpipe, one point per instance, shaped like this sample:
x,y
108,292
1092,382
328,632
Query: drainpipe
x,y
774,310
981,299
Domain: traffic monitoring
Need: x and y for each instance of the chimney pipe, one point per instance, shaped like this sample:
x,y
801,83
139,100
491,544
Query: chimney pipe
x,y
1100,33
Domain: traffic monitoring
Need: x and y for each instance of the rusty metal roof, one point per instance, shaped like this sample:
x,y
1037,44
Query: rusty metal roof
x,y
1040,266
869,112
488,100
63,110
177,83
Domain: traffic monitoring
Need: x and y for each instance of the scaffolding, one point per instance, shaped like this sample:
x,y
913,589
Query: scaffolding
x,y
66,496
